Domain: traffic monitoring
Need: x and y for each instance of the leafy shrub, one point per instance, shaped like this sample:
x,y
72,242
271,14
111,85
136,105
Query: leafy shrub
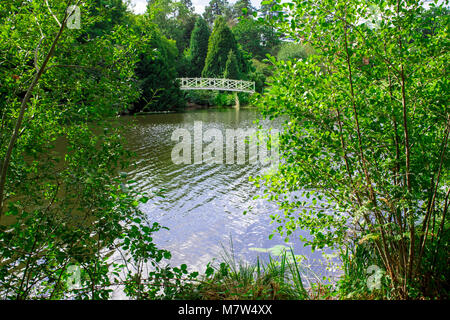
x,y
294,51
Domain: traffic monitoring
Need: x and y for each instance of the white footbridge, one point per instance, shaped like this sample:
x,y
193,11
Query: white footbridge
x,y
216,84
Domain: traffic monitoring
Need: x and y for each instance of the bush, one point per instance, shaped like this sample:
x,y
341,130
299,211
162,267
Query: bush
x,y
201,97
224,99
294,51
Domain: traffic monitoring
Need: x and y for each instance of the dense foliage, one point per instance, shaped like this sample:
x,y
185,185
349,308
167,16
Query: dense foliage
x,y
231,67
220,44
365,163
175,20
215,9
293,51
156,71
69,208
255,37
198,47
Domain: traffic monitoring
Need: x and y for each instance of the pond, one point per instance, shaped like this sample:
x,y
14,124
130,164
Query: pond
x,y
203,204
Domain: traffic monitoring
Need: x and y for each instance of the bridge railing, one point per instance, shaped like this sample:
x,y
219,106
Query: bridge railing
x,y
216,84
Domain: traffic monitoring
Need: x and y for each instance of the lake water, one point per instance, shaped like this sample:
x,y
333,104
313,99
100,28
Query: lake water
x,y
204,204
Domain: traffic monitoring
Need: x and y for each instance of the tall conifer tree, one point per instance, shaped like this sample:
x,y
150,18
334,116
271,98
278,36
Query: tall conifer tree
x,y
220,43
198,47
231,67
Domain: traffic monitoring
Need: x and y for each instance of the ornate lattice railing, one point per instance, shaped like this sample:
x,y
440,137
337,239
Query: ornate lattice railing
x,y
216,84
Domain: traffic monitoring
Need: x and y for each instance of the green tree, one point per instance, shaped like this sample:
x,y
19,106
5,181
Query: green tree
x,y
217,8
221,42
267,12
188,4
175,20
259,74
156,71
267,9
364,156
71,208
243,8
231,67
198,47
107,14
255,37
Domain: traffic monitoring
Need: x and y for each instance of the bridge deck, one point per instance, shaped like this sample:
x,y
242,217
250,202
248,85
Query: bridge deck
x,y
217,84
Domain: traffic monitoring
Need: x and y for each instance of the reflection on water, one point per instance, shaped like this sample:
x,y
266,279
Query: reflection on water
x,y
203,204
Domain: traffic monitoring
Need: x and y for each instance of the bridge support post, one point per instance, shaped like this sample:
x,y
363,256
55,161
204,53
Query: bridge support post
x,y
236,99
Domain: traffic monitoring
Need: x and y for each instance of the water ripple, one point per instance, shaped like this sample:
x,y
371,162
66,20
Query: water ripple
x,y
203,204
